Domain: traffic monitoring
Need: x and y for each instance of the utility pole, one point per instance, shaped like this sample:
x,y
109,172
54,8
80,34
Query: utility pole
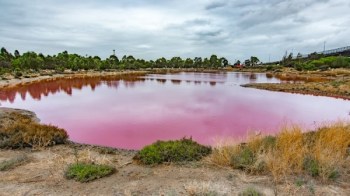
x,y
114,52
324,46
269,58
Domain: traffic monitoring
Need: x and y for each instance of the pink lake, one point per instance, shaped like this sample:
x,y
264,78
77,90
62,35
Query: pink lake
x,y
205,106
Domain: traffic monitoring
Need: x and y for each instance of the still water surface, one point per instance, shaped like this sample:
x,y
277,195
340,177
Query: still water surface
x,y
131,113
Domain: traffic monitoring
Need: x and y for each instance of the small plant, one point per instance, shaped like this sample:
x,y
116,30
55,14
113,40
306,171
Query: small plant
x,y
12,163
172,151
250,191
299,182
85,172
333,175
243,159
311,166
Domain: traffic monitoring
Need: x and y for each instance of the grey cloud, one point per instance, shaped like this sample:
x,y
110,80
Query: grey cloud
x,y
215,5
153,28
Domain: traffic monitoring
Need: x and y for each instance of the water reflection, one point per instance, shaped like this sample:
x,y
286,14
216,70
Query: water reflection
x,y
66,85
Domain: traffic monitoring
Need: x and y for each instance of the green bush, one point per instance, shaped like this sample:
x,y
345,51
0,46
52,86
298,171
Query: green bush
x,y
172,151
243,159
18,73
85,172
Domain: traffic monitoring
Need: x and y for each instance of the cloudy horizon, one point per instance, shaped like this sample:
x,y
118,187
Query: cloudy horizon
x,y
152,28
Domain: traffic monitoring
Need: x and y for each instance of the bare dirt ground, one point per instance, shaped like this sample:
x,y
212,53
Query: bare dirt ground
x,y
43,174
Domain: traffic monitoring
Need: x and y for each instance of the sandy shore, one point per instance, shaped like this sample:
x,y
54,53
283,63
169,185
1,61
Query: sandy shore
x,y
33,78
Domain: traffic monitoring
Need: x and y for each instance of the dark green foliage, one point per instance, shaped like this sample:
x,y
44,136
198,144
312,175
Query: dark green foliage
x,y
75,62
172,151
85,172
244,159
311,166
323,63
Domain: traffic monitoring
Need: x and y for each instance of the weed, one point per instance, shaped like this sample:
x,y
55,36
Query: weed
x,y
250,191
299,182
172,151
311,166
85,172
12,163
243,159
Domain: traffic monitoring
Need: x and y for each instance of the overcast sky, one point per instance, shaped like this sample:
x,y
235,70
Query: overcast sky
x,y
235,29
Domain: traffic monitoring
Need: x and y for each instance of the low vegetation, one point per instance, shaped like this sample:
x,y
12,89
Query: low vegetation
x,y
172,151
250,191
85,172
323,153
22,132
12,163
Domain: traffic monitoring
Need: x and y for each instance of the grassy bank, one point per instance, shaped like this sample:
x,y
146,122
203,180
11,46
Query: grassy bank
x,y
323,154
334,83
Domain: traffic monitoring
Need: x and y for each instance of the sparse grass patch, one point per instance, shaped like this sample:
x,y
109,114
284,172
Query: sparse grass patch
x,y
172,151
197,188
23,132
250,191
12,163
85,172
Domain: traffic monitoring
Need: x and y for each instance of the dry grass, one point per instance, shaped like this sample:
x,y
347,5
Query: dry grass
x,y
14,162
324,153
21,131
205,188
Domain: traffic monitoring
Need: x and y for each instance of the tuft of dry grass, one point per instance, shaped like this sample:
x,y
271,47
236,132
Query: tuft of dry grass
x,y
21,131
14,162
323,153
201,188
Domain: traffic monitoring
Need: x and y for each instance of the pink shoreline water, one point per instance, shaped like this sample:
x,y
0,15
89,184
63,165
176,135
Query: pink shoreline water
x,y
132,114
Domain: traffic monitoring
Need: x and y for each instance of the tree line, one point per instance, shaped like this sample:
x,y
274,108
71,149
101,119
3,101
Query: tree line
x,y
65,60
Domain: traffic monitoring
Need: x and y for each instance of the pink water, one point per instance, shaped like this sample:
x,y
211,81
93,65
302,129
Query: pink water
x,y
133,113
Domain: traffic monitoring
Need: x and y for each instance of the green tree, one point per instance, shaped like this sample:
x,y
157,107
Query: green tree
x,y
254,60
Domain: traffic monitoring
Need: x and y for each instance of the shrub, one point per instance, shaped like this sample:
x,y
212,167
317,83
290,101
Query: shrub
x,y
244,159
172,151
18,73
311,166
85,172
24,132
